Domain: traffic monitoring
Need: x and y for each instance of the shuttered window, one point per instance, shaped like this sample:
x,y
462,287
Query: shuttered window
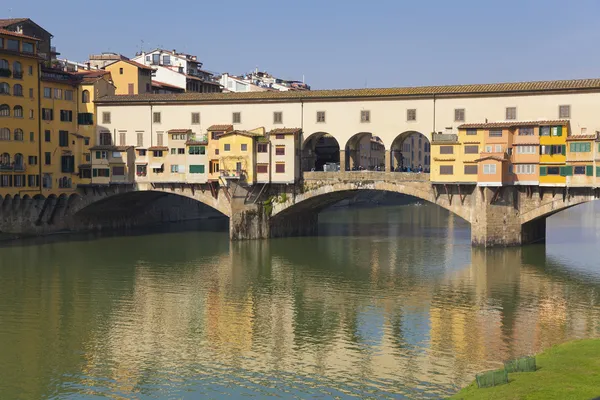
x,y
470,169
196,169
446,169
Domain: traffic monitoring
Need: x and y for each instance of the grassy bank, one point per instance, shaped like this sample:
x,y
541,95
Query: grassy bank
x,y
567,371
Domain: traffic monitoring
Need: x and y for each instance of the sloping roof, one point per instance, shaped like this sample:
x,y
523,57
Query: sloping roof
x,y
491,157
165,85
128,61
111,148
423,91
158,148
580,136
5,22
184,130
92,76
225,128
285,131
191,142
243,133
17,34
513,124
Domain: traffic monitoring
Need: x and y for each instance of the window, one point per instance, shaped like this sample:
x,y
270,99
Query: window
x,y
122,138
181,150
527,131
280,168
280,150
195,118
4,110
12,44
214,166
19,180
262,148
174,150
120,71
580,170
159,138
17,90
564,112
472,149
511,113
411,114
580,147
525,169
31,114
544,131
85,119
63,138
142,152
556,131
101,155
140,170
18,136
550,170
237,117
279,136
85,96
106,117
226,147
446,149
365,116
140,139
31,93
47,136
18,112
47,114
196,169
30,70
470,169
66,115
27,47
58,94
166,59
446,169
67,164
86,141
321,116
101,172
262,168
33,180
244,147
526,149
105,139
459,115
498,148
155,59
47,158
197,150
489,169
69,95
552,150
118,171
47,93
31,137
177,169
156,117
4,134
157,153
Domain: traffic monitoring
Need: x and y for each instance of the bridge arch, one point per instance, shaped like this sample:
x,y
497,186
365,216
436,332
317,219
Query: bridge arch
x,y
318,149
410,149
364,151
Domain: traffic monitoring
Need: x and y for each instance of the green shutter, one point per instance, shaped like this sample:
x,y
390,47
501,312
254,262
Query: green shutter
x,y
568,170
564,149
543,171
563,171
573,147
597,171
559,131
589,170
97,155
587,147
196,169
94,172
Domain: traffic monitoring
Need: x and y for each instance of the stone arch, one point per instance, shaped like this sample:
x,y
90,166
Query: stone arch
x,y
553,206
321,196
319,149
364,151
410,149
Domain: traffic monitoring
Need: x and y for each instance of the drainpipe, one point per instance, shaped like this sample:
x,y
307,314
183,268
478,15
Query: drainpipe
x,y
433,113
39,110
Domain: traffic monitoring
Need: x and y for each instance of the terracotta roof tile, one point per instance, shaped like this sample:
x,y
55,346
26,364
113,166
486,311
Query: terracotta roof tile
x,y
192,142
243,133
285,131
449,90
179,130
512,124
225,128
16,34
590,136
128,61
112,148
158,148
491,157
4,22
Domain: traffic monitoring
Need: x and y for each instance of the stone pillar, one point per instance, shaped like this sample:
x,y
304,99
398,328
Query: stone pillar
x,y
255,223
388,162
342,160
495,219
296,224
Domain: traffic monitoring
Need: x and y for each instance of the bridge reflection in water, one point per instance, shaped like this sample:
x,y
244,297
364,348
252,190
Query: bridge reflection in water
x,y
405,307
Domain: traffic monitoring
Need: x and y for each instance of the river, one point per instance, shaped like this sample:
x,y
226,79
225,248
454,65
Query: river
x,y
387,302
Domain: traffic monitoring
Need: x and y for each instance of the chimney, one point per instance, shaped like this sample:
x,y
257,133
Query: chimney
x,y
88,65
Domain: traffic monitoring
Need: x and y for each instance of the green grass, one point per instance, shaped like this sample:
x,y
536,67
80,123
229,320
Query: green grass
x,y
567,371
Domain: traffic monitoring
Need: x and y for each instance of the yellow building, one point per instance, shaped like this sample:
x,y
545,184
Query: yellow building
x,y
214,132
446,165
237,155
61,146
553,151
130,77
94,84
19,126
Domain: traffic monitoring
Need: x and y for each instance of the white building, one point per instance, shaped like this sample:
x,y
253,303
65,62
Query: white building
x,y
257,81
180,70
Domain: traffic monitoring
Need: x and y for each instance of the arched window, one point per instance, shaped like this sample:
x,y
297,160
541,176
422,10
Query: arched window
x,y
18,112
17,90
4,134
5,159
3,65
4,88
19,161
85,96
18,135
17,72
4,110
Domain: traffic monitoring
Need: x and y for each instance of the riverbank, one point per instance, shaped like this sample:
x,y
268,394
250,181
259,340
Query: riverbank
x,y
567,371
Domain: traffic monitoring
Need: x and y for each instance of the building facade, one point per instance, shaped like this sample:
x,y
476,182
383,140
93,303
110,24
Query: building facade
x,y
130,77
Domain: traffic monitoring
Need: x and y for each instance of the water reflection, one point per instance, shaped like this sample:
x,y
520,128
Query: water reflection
x,y
389,302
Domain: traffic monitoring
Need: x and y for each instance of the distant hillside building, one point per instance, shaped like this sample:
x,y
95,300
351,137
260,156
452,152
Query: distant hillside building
x,y
258,81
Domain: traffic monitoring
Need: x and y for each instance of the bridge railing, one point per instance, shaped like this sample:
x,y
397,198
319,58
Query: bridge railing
x,y
367,176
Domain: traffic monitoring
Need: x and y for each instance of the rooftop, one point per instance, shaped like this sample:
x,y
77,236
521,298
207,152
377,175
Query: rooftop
x,y
513,124
285,131
422,91
225,128
16,34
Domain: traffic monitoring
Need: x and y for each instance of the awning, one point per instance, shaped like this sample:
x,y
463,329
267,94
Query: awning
x,y
156,165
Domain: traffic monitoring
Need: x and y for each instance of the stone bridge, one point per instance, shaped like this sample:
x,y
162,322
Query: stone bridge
x,y
499,216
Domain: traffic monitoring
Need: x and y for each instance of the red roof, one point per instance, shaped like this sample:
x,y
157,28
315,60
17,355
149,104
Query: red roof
x,y
285,131
136,64
225,128
512,124
16,34
179,130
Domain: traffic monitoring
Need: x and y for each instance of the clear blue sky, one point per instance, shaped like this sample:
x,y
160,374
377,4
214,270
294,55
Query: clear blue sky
x,y
341,44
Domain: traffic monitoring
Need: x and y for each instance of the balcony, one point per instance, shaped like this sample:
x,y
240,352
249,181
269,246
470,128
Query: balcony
x,y
18,75
5,73
19,168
